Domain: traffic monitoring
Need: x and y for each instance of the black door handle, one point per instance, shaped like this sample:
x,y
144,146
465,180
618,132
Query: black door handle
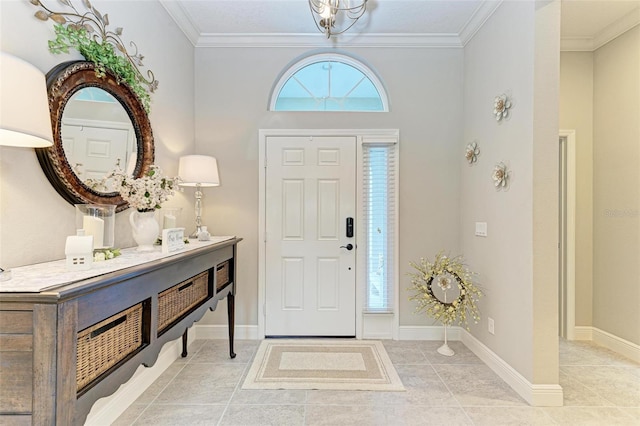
x,y
348,246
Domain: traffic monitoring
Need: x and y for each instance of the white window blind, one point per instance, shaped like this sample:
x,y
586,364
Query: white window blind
x,y
379,181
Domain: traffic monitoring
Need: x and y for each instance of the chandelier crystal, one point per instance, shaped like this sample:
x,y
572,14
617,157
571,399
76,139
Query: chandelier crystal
x,y
329,20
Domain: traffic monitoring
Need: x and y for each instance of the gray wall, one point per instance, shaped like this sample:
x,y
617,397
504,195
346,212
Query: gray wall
x,y
425,92
600,99
576,113
616,187
34,219
517,261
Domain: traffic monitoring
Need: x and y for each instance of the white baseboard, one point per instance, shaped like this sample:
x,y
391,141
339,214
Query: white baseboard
x,y
106,410
424,332
377,326
617,344
216,331
609,341
583,333
548,395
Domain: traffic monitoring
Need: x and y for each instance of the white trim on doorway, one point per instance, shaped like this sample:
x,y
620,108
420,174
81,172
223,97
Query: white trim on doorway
x,y
382,327
570,261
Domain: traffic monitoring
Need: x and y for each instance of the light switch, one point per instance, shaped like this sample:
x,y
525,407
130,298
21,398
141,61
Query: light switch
x,y
481,229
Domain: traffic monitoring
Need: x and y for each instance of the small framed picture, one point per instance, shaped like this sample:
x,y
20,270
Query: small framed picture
x,y
172,240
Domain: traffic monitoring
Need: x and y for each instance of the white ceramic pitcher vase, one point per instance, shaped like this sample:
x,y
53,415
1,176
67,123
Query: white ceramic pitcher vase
x,y
145,229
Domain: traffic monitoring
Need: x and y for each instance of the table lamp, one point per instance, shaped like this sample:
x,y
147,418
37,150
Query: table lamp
x,y
25,120
199,171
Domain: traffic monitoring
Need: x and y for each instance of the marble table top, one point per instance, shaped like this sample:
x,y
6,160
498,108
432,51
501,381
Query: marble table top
x,y
45,276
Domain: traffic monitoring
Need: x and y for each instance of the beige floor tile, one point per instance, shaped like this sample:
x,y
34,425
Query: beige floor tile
x,y
508,416
343,415
181,415
478,393
280,396
263,415
590,416
600,388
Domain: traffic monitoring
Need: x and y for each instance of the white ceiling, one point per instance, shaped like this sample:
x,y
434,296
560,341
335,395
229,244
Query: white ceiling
x,y
586,24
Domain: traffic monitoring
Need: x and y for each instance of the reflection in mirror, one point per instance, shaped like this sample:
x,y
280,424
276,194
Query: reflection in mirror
x,y
97,137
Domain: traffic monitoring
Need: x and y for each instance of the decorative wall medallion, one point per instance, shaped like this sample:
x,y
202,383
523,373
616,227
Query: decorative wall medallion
x,y
472,152
501,106
500,175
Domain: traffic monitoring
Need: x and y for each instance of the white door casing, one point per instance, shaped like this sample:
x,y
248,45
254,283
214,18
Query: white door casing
x,y
310,282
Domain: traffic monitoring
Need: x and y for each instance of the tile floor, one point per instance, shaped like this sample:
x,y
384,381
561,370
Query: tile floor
x,y
600,388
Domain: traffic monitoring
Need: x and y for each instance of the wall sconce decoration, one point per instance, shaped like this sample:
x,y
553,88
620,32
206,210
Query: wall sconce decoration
x,y
471,153
500,176
501,105
198,171
87,33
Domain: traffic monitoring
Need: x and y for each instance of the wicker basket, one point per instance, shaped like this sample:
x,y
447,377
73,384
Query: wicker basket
x,y
106,343
222,275
179,299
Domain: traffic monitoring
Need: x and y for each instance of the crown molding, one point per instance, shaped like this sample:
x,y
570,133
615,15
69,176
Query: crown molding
x,y
182,19
317,40
619,27
477,20
589,44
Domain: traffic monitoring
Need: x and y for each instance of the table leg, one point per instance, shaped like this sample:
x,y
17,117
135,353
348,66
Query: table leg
x,y
231,312
184,343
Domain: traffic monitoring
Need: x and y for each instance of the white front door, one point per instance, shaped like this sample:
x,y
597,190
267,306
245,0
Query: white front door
x,y
310,274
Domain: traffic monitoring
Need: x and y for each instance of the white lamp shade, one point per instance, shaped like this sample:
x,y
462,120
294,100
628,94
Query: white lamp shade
x,y
25,119
198,169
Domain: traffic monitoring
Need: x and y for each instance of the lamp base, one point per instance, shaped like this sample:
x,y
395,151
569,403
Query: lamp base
x,y
195,233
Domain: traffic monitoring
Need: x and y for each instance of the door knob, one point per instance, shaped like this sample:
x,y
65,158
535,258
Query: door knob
x,y
348,246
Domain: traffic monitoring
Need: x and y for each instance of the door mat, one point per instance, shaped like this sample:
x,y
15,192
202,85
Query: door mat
x,y
322,364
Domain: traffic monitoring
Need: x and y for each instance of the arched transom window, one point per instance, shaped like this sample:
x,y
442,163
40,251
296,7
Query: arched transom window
x,y
328,82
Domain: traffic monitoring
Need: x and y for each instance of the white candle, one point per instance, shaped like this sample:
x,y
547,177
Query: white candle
x,y
94,226
169,221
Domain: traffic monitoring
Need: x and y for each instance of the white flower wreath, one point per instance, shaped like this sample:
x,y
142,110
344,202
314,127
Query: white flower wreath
x,y
456,311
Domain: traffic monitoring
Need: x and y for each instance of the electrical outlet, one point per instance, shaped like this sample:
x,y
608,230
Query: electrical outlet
x,y
492,328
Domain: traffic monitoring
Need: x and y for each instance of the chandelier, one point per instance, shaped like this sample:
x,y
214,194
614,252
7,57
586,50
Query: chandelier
x,y
326,14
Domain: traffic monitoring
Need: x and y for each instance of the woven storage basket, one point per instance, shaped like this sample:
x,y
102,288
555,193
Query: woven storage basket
x,y
222,275
106,343
177,300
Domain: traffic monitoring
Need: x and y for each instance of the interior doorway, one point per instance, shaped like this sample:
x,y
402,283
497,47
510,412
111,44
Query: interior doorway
x,y
567,235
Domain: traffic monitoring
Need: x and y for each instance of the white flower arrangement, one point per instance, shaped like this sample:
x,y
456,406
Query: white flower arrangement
x,y
442,270
105,254
147,192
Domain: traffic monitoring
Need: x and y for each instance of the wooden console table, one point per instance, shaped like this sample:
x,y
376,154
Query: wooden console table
x,y
64,345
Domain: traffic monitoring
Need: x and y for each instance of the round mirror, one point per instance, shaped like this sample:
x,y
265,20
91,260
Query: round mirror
x,y
99,125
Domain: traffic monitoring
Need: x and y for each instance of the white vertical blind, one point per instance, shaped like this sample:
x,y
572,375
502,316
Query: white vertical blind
x,y
379,189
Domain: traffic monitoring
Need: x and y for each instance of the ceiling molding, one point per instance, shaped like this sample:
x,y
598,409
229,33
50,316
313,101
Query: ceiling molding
x,y
477,20
619,27
576,44
182,19
317,40
589,44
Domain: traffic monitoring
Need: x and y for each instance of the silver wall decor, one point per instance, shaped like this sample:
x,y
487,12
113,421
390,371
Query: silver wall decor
x,y
501,105
471,152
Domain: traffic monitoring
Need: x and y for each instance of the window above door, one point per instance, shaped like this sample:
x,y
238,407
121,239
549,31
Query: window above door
x,y
328,82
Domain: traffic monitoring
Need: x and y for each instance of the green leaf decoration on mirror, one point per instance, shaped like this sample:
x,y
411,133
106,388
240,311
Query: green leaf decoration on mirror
x,y
87,33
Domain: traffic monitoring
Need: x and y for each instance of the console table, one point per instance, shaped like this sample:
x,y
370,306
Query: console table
x,y
67,340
